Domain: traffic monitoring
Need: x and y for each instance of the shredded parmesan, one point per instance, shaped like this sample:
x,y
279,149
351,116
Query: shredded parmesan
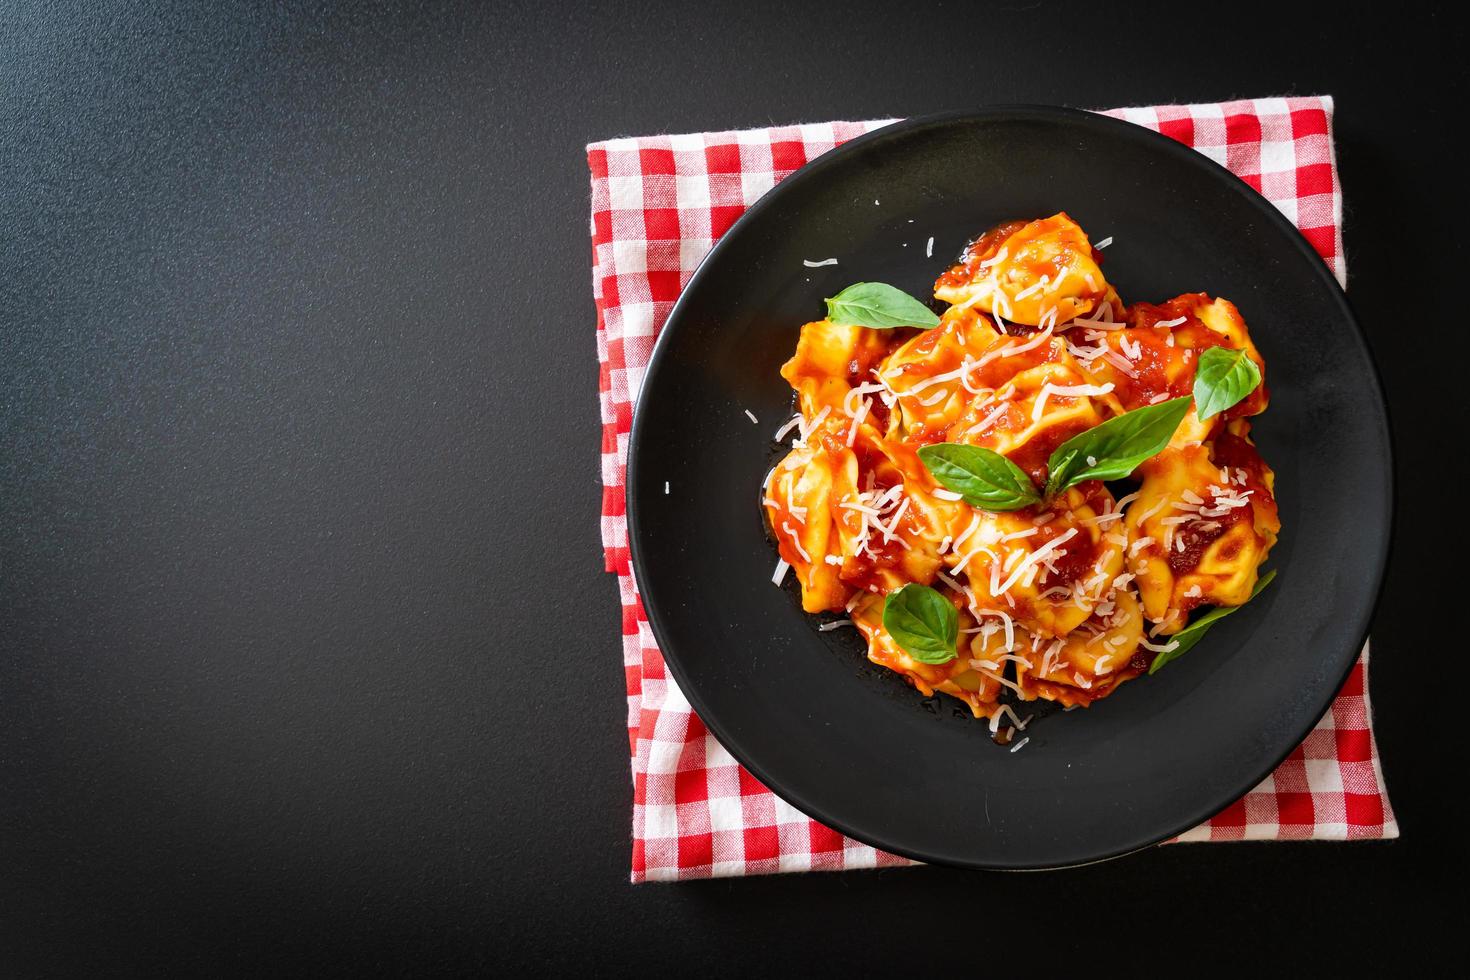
x,y
851,399
1000,410
1034,558
1035,287
1121,363
1001,711
974,524
857,420
791,423
963,370
796,541
1124,502
1069,391
817,265
888,531
807,430
1152,511
1011,350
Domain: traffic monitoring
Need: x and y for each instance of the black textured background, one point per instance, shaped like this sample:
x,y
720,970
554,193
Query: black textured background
x,y
306,654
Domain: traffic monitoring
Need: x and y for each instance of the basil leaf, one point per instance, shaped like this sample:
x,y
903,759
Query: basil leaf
x,y
1116,447
1223,378
1191,634
923,622
878,305
984,477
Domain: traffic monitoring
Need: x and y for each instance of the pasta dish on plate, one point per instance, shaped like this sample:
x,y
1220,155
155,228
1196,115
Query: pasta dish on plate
x,y
1040,493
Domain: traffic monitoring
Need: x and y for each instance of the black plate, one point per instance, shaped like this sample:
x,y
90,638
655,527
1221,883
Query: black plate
x,y
850,743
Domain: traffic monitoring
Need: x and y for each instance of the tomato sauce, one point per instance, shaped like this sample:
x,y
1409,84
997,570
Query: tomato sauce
x,y
1032,455
1159,368
1145,315
1233,452
1197,541
975,253
1078,562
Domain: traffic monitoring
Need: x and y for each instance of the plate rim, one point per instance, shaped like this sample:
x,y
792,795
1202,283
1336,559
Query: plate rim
x,y
1010,112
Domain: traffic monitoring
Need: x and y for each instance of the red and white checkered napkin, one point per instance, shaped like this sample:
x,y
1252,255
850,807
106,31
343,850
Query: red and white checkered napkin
x,y
658,204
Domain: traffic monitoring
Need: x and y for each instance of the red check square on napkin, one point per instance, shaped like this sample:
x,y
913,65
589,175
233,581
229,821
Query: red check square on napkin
x,y
658,205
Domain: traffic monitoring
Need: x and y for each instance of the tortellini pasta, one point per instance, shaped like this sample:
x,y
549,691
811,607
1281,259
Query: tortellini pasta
x,y
1070,596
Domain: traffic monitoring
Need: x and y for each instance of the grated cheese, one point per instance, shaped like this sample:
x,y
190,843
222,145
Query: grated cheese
x,y
1000,410
857,420
807,430
1036,557
1068,391
938,396
791,423
850,400
796,541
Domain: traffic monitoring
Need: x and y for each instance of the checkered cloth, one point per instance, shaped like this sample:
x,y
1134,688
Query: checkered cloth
x,y
658,204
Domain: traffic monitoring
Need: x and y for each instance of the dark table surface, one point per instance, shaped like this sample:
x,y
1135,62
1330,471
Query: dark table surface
x,y
306,653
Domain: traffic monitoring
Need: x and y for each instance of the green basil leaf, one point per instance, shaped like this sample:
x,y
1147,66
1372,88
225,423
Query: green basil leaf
x,y
923,622
1223,378
878,305
1191,634
1116,447
984,477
